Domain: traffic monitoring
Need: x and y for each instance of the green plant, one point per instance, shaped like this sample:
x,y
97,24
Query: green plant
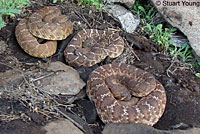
x,y
185,53
87,3
55,1
10,8
155,31
197,65
145,12
197,75
160,35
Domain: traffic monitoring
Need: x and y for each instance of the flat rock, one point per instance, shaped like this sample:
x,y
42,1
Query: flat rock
x,y
89,110
55,79
18,126
182,110
65,80
9,79
184,15
128,3
142,129
179,41
128,21
61,127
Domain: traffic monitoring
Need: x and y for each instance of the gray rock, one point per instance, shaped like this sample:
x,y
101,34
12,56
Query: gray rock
x,y
185,17
55,79
128,21
142,129
89,110
10,79
179,41
65,81
61,127
128,3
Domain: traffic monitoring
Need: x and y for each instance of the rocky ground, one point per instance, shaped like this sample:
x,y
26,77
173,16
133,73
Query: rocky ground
x,y
22,112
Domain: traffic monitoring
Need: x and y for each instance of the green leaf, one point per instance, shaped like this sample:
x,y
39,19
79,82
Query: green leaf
x,y
55,1
11,7
159,42
14,11
148,17
142,9
197,75
2,23
159,26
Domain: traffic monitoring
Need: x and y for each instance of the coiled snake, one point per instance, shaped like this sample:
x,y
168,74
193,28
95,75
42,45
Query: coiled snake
x,y
91,46
124,93
46,23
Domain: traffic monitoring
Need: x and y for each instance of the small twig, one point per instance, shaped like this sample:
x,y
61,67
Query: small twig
x,y
168,69
43,114
83,18
16,70
69,118
133,52
8,117
113,29
175,60
8,66
42,77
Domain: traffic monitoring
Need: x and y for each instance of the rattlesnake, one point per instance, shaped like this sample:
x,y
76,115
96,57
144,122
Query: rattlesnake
x,y
124,93
46,23
91,46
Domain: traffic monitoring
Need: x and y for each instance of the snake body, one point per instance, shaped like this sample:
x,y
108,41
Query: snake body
x,y
46,23
91,46
124,93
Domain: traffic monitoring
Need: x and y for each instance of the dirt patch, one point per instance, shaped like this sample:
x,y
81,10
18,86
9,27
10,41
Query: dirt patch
x,y
20,127
182,87
12,112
